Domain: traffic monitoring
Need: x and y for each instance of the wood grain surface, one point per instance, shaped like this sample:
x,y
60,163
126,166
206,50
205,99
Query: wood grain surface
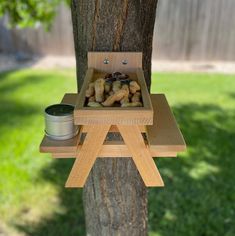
x,y
114,115
141,155
87,155
133,59
164,134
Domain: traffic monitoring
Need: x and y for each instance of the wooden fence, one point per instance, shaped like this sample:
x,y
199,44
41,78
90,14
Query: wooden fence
x,y
195,30
59,41
184,30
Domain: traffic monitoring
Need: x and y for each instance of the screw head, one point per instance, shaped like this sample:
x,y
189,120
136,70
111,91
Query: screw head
x,y
124,62
106,61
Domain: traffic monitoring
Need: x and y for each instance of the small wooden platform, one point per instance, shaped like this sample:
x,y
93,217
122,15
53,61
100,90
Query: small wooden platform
x,y
143,132
164,136
84,115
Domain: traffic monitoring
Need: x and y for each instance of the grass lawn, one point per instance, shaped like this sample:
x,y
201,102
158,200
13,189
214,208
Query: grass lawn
x,y
199,197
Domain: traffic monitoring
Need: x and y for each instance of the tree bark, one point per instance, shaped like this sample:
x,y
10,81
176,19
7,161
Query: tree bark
x,y
115,197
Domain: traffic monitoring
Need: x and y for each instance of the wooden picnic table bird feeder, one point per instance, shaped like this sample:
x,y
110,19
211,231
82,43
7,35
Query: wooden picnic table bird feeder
x,y
148,131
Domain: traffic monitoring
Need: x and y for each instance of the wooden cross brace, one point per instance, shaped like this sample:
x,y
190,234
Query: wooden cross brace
x,y
92,145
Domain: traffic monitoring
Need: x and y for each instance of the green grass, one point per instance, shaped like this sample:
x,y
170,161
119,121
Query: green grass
x,y
199,196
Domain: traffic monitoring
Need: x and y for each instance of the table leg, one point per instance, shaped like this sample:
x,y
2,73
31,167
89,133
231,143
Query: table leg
x,y
86,157
141,155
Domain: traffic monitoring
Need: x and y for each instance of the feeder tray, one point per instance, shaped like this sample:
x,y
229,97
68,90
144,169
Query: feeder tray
x,y
97,68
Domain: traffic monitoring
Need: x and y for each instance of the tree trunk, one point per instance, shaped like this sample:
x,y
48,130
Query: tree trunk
x,y
115,197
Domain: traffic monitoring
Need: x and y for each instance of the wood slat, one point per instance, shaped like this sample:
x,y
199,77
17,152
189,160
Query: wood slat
x,y
70,98
82,95
113,151
114,116
53,146
96,60
164,134
86,157
114,129
144,91
141,155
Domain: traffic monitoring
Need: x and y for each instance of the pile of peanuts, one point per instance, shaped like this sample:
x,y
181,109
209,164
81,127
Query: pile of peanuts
x,y
114,89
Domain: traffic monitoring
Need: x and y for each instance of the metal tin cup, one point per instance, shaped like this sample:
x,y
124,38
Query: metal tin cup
x,y
59,122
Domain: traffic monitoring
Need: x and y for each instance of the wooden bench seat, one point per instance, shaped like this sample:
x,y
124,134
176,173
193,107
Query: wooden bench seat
x,y
164,134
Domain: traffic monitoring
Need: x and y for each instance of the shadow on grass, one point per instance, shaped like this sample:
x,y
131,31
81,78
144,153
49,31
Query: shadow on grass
x,y
14,110
199,194
71,221
15,113
232,95
7,89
